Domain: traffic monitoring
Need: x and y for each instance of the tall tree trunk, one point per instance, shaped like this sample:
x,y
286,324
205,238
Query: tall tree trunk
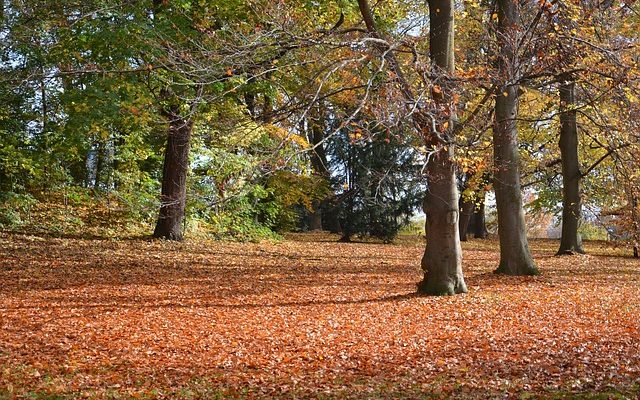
x,y
570,242
318,158
174,178
479,220
466,206
442,259
515,257
466,213
325,214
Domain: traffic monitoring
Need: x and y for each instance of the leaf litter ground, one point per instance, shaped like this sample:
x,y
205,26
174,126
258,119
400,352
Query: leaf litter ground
x,y
309,318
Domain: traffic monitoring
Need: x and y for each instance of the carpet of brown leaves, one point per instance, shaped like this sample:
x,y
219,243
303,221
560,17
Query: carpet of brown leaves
x,y
308,318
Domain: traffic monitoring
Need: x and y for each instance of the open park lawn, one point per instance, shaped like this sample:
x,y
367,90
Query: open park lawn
x,y
310,318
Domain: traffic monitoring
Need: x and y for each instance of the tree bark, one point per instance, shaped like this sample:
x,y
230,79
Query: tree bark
x,y
466,206
442,259
515,257
479,220
174,179
318,158
466,213
570,242
326,214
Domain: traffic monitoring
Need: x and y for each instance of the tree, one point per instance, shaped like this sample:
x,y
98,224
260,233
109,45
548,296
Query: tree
x,y
173,198
570,241
324,214
174,176
442,259
515,257
568,29
380,180
478,223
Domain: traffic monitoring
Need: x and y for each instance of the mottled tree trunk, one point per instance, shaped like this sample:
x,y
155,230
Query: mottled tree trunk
x,y
570,242
515,257
442,259
174,179
325,215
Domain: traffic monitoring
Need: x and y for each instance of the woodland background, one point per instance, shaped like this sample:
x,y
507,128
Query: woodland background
x,y
313,169
295,120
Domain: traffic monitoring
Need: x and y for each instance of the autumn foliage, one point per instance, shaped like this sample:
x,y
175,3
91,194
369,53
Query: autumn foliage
x,y
308,318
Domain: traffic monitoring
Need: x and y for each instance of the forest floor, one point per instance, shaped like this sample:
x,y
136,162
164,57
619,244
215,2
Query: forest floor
x,y
310,318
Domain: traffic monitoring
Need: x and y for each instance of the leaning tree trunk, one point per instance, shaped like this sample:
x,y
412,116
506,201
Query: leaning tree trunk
x,y
442,259
174,179
570,243
515,257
